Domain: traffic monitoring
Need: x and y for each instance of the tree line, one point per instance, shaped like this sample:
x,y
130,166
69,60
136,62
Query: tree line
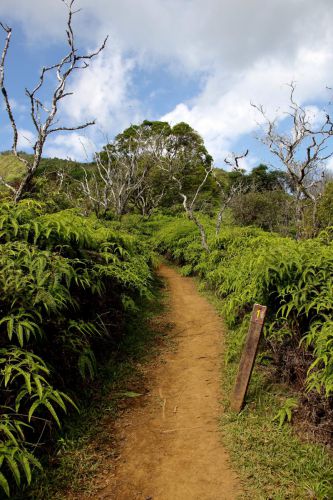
x,y
154,165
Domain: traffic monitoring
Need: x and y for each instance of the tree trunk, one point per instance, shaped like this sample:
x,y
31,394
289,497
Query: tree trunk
x,y
219,221
24,186
315,218
25,183
202,231
299,214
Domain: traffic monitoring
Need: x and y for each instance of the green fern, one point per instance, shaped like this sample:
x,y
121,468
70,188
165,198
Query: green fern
x,y
15,459
285,412
65,282
246,265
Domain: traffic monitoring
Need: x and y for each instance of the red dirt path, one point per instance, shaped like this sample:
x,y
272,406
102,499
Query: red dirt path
x,y
170,445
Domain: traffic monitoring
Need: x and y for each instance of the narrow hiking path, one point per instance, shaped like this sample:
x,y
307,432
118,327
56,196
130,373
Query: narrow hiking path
x,y
170,443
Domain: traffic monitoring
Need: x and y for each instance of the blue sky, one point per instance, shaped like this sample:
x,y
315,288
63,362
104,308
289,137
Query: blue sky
x,y
197,61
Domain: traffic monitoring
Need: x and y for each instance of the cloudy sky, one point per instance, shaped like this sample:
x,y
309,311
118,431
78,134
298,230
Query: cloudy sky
x,y
199,61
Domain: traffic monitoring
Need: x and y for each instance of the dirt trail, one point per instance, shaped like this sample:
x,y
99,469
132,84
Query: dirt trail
x,y
171,447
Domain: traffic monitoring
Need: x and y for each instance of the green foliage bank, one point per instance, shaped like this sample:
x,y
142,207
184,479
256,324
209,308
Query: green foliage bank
x,y
294,279
67,285
293,378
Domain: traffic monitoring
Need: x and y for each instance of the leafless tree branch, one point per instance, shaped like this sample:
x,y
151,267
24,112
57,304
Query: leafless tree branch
x,y
42,116
78,127
233,160
303,152
228,193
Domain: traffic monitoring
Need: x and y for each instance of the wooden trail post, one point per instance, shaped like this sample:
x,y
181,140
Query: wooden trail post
x,y
248,357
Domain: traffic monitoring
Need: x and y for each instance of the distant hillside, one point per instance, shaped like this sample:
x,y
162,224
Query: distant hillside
x,y
11,169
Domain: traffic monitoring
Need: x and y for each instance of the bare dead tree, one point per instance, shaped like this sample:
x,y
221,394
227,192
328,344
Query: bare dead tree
x,y
147,199
228,194
189,205
8,32
123,168
170,164
233,160
120,175
94,192
302,151
43,116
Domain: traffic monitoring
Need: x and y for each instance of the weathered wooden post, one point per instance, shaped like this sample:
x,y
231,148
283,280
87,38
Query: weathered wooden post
x,y
248,357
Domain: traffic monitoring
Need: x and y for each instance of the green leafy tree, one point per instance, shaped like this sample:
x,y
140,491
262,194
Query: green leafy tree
x,y
150,165
270,210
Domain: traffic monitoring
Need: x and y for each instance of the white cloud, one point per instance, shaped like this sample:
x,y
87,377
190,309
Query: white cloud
x,y
39,18
70,146
240,51
223,115
316,116
101,92
199,33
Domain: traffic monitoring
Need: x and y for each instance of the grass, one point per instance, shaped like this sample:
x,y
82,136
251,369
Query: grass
x,y
87,445
11,169
272,461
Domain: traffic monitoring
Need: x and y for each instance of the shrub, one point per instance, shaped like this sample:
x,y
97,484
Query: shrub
x,y
294,279
66,283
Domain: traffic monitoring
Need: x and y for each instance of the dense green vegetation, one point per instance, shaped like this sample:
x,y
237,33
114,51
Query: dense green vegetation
x,y
67,283
84,445
11,169
77,259
294,279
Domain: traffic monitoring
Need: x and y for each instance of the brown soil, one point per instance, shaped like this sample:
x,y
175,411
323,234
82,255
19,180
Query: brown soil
x,y
170,443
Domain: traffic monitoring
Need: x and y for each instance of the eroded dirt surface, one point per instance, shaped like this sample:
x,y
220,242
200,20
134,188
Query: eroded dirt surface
x,y
170,443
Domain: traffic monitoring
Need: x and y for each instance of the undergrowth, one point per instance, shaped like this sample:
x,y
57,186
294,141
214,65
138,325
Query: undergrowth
x,y
273,460
293,279
68,286
86,446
